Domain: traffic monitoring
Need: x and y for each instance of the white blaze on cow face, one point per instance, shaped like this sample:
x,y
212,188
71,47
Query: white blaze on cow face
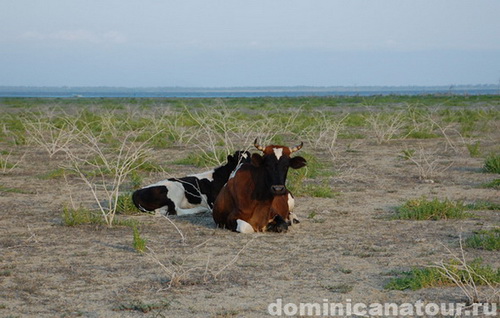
x,y
278,152
243,227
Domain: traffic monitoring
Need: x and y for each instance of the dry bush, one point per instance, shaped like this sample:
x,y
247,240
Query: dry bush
x,y
7,164
325,131
219,130
447,132
104,169
51,137
428,163
275,126
385,126
186,271
467,283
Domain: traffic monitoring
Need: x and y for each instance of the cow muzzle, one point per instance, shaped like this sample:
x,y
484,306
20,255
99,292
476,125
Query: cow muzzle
x,y
278,189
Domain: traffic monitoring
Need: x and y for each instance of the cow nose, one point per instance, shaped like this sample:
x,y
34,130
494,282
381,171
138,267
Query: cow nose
x,y
278,189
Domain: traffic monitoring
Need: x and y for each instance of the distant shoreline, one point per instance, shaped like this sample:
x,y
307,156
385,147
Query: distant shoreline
x,y
228,92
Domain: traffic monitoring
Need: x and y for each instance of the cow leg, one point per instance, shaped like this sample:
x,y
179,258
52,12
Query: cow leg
x,y
243,227
194,210
291,202
291,205
293,218
161,211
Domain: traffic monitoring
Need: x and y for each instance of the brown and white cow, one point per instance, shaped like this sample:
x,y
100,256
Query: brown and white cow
x,y
188,195
256,199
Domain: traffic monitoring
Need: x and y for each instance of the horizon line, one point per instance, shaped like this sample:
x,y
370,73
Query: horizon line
x,y
255,86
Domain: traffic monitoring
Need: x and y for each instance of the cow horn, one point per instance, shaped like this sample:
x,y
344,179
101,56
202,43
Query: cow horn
x,y
257,145
296,148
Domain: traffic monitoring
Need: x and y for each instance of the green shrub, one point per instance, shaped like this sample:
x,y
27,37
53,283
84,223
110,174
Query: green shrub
x,y
125,205
418,278
407,154
143,307
470,120
492,164
84,216
139,243
483,205
485,239
423,209
156,140
55,174
474,149
355,120
494,184
80,216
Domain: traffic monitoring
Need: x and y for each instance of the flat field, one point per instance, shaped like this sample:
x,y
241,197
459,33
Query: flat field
x,y
367,158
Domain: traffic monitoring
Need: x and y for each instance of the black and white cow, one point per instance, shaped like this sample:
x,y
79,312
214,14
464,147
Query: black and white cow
x,y
191,194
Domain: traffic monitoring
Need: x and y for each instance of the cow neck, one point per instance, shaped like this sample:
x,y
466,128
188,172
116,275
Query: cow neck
x,y
262,190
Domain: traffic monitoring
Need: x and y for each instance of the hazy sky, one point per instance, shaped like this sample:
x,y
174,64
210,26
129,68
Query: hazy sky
x,y
214,43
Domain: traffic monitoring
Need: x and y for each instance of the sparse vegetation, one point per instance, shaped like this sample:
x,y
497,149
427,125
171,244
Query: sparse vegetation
x,y
340,288
341,197
7,164
143,307
494,184
85,216
385,125
423,209
417,278
474,149
483,205
317,190
54,174
80,216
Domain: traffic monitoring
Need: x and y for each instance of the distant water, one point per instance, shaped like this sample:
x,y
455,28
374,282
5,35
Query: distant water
x,y
235,93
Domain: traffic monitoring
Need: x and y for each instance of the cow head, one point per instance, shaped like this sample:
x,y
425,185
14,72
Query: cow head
x,y
238,157
276,160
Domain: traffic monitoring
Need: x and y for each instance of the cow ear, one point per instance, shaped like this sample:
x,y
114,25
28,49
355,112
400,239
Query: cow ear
x,y
230,159
297,162
257,160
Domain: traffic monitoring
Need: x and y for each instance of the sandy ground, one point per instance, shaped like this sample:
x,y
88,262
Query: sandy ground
x,y
346,253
